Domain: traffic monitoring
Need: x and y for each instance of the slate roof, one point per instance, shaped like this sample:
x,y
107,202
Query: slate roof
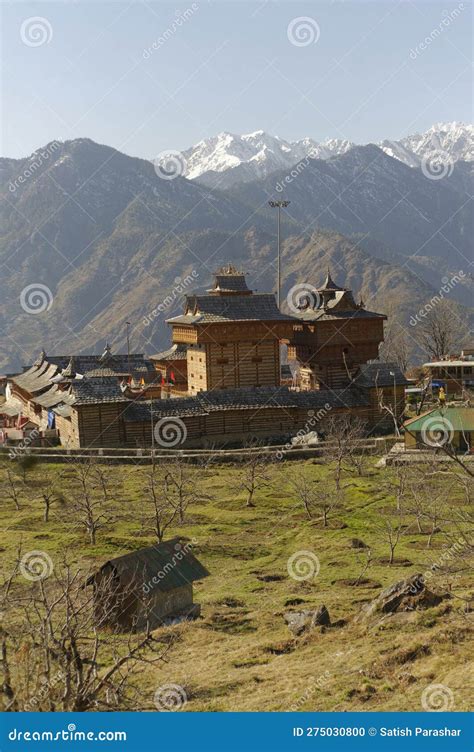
x,y
321,314
11,407
158,566
116,363
176,352
35,379
329,284
245,399
54,396
231,283
95,391
380,374
208,309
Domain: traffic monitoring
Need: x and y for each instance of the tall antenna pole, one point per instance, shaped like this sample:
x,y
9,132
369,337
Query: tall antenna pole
x,y
278,205
128,347
152,434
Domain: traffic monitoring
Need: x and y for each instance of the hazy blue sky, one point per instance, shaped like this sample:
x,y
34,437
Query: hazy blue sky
x,y
229,66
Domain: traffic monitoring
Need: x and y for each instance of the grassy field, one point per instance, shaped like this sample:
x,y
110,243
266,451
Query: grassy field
x,y
240,655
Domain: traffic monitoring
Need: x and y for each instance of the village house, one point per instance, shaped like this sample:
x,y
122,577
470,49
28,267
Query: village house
x,y
454,373
149,586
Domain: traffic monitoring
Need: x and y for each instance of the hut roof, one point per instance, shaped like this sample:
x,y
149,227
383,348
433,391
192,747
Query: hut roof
x,y
166,566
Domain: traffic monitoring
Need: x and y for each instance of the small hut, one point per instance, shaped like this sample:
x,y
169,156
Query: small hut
x,y
150,586
450,426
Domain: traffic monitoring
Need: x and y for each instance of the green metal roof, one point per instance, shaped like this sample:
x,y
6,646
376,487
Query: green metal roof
x,y
455,419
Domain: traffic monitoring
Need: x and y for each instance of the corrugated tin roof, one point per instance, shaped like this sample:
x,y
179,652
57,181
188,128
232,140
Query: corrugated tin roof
x,y
165,566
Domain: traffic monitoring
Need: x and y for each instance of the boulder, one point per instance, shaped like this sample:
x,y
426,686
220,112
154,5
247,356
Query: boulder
x,y
357,543
310,439
303,621
406,595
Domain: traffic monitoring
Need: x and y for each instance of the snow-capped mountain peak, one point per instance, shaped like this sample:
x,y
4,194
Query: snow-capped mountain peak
x,y
258,154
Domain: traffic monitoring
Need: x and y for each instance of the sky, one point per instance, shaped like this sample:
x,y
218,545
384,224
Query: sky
x,y
145,76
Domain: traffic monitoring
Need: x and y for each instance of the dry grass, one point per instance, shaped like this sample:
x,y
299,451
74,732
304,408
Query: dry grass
x,y
240,655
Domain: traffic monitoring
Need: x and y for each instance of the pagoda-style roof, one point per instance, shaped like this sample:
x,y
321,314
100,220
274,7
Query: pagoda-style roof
x,y
329,284
211,309
176,352
334,302
229,281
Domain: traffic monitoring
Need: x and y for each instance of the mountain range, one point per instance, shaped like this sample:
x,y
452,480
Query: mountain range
x,y
104,241
228,158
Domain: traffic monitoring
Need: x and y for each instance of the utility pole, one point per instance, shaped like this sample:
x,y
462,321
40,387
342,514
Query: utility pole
x,y
152,435
128,347
392,373
278,205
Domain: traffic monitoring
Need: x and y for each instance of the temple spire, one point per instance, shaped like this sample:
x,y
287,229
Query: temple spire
x,y
69,372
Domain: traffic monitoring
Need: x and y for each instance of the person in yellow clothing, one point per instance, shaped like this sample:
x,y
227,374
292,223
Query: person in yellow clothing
x,y
442,396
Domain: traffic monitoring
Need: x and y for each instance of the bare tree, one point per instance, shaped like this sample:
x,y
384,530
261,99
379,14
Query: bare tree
x,y
26,462
11,489
395,348
391,528
316,497
254,475
67,664
102,482
181,485
50,495
342,432
439,331
164,507
90,511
